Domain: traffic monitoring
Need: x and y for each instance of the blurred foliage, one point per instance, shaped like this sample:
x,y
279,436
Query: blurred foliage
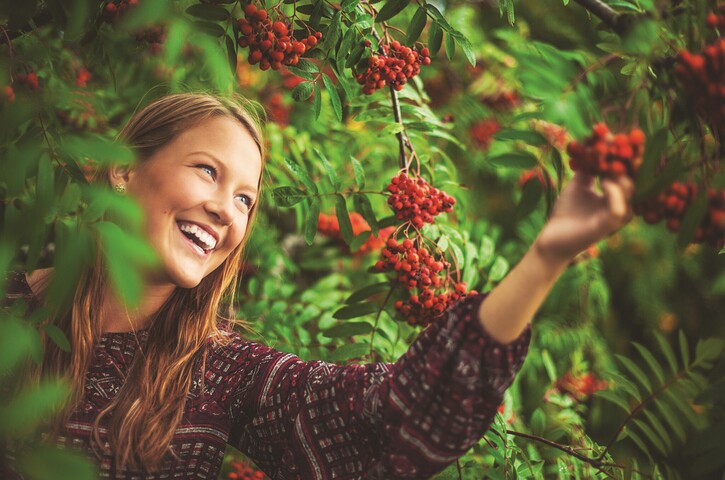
x,y
506,91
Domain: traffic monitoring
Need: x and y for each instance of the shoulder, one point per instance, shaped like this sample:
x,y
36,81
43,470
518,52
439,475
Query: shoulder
x,y
20,285
231,347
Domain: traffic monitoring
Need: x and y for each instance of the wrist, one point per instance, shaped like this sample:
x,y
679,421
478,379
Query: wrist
x,y
549,259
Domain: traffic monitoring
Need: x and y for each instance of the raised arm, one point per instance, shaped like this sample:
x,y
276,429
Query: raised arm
x,y
582,216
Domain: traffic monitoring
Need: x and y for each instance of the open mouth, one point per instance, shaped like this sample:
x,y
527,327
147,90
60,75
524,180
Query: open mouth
x,y
202,241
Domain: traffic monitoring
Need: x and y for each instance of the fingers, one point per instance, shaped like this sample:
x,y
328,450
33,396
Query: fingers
x,y
618,194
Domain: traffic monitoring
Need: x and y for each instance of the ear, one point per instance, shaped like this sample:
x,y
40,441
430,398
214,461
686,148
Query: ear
x,y
119,174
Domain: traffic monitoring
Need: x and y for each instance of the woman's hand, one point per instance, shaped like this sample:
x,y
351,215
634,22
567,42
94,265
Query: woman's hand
x,y
583,215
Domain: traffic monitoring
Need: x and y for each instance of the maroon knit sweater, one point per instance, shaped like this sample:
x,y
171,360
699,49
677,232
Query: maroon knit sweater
x,y
317,420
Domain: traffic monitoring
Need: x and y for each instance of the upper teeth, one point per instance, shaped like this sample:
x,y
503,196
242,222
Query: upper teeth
x,y
208,242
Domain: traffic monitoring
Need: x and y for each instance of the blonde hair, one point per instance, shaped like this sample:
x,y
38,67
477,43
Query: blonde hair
x,y
153,395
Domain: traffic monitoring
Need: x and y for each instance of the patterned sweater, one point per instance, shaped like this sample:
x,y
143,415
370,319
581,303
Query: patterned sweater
x,y
311,420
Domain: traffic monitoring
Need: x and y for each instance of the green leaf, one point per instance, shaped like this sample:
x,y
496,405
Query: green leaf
x,y
672,419
684,349
650,359
288,196
435,38
58,337
348,351
16,343
657,426
208,12
523,160
312,219
499,269
528,136
366,292
333,33
231,52
467,48
667,351
364,207
343,218
359,173
307,66
637,440
708,349
359,240
450,46
391,9
417,24
651,436
303,91
329,170
692,219
334,96
348,329
356,310
612,397
317,100
209,28
300,73
530,197
348,6
635,371
301,174
348,42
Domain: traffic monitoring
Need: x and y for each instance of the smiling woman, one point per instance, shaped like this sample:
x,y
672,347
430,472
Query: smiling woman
x,y
160,391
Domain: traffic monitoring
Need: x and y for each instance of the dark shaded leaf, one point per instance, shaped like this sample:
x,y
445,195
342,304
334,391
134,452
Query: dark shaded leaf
x,y
391,9
343,218
348,329
208,12
356,310
417,24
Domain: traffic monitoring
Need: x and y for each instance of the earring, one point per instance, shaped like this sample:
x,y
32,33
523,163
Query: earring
x,y
119,188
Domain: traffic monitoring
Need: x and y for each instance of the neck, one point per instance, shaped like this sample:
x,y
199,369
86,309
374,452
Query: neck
x,y
119,317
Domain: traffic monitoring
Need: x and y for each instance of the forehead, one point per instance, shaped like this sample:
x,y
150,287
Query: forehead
x,y
225,139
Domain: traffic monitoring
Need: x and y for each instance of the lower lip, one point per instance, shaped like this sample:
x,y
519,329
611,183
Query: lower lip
x,y
197,249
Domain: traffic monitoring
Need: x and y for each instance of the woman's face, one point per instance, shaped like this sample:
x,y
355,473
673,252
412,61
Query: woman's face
x,y
197,192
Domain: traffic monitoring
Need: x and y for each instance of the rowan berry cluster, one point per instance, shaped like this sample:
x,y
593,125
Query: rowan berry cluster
x,y
703,78
154,36
29,79
581,386
116,8
606,154
271,44
243,471
716,20
394,66
417,268
672,204
415,200
535,173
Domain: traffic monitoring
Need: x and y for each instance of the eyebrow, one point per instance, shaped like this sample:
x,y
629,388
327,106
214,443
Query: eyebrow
x,y
252,189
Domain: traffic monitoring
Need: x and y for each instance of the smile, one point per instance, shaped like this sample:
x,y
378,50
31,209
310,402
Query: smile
x,y
198,238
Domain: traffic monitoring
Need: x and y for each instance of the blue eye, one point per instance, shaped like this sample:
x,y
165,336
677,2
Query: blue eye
x,y
209,169
245,199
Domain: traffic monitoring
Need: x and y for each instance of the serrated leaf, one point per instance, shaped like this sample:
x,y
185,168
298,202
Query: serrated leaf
x,y
651,436
522,160
287,196
334,96
343,218
303,91
307,66
365,208
692,219
612,397
435,38
333,33
637,440
672,419
650,359
530,196
499,269
348,329
684,349
622,382
667,351
366,292
359,240
300,73
209,28
208,12
312,219
231,52
391,9
528,136
359,173
348,6
635,371
347,44
329,170
317,101
301,175
417,24
657,426
348,351
450,46
58,337
467,48
356,310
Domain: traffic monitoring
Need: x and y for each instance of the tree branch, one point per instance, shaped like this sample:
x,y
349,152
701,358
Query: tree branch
x,y
620,23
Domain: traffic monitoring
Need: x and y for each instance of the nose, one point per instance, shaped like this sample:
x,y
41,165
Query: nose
x,y
222,211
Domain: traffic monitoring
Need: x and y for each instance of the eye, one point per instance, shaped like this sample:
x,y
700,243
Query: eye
x,y
245,199
208,169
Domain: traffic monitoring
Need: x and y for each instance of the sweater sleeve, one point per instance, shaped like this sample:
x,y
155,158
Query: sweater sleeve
x,y
408,419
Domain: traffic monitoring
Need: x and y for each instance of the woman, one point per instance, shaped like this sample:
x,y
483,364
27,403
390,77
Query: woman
x,y
161,390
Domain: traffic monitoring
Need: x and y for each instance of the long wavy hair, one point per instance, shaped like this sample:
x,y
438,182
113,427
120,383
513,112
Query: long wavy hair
x,y
150,404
